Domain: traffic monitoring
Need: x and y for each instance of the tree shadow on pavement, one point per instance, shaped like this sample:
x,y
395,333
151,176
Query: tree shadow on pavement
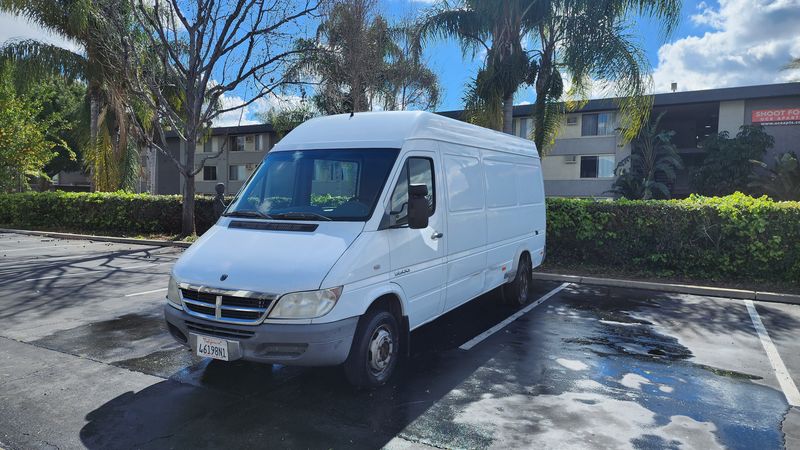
x,y
246,405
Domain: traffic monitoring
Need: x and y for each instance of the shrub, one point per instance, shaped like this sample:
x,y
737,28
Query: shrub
x,y
733,237
729,237
110,212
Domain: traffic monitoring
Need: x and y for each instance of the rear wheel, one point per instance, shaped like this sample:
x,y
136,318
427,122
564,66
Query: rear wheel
x,y
517,292
373,356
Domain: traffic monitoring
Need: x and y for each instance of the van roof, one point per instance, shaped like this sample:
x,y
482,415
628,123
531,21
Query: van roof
x,y
390,129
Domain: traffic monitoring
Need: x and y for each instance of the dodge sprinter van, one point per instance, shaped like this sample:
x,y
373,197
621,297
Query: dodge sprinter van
x,y
354,231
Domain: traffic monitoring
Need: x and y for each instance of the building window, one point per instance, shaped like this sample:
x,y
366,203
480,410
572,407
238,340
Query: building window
x,y
262,143
210,173
207,145
236,173
522,127
601,166
238,144
601,124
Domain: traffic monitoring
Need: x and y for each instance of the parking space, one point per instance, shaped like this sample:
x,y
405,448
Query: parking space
x,y
85,361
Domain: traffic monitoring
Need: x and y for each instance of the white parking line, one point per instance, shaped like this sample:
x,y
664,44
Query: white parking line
x,y
145,292
97,254
785,380
39,248
19,241
479,338
93,271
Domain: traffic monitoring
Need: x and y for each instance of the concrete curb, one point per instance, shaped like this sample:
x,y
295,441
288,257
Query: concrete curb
x,y
676,288
90,237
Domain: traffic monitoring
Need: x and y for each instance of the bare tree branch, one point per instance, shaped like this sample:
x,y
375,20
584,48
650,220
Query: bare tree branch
x,y
191,53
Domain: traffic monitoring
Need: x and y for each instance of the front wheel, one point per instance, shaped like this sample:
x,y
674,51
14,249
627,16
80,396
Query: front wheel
x,y
373,356
517,292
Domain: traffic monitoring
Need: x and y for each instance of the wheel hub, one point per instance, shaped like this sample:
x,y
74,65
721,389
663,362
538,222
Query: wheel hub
x,y
381,347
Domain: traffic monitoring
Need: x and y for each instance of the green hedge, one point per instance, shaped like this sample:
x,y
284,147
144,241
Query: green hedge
x,y
106,212
733,237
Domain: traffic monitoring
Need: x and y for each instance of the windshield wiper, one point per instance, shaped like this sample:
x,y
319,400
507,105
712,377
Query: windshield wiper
x,y
248,213
297,215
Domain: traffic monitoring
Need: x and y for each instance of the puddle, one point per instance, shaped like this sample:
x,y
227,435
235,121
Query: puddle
x,y
131,338
162,363
626,385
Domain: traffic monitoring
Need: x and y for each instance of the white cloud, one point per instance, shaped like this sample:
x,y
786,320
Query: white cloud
x,y
15,27
248,115
750,42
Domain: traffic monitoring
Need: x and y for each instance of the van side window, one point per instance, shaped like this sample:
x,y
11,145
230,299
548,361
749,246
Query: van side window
x,y
421,170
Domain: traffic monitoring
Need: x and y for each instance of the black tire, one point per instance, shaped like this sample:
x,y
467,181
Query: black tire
x,y
375,350
517,293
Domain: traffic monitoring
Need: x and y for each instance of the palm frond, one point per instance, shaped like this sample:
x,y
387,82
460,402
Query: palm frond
x,y
468,26
35,60
480,109
68,19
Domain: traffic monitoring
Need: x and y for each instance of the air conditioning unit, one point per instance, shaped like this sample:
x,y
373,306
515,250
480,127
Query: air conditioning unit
x,y
572,120
570,159
248,139
250,166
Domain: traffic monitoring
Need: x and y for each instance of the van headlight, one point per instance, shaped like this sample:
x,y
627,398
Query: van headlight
x,y
306,305
174,294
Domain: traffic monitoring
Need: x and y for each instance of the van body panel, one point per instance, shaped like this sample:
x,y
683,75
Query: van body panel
x,y
274,262
466,223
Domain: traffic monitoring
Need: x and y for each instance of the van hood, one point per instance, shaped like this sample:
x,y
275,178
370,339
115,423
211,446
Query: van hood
x,y
267,261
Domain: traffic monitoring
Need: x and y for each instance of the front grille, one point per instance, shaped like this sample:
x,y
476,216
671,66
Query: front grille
x,y
209,311
206,297
224,306
214,330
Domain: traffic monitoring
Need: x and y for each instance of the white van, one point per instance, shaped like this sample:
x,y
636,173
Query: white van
x,y
354,231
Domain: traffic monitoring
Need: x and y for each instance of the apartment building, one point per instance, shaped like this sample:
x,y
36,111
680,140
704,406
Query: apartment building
x,y
584,156
228,156
588,147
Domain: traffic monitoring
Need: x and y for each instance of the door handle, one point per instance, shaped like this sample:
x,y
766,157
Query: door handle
x,y
436,235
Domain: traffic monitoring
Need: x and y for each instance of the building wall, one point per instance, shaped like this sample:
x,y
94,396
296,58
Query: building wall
x,y
561,165
249,158
731,116
787,137
167,178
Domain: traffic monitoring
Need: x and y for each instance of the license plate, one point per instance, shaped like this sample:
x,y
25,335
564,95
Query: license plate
x,y
210,347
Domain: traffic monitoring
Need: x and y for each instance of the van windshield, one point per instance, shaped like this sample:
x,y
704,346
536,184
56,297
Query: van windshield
x,y
341,184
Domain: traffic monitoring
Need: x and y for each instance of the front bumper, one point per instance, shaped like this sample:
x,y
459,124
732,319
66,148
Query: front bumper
x,y
323,344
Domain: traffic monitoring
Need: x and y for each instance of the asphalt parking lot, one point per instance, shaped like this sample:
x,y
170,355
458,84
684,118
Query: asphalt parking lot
x,y
85,361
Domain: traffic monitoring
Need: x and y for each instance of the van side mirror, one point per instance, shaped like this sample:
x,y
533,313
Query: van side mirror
x,y
418,209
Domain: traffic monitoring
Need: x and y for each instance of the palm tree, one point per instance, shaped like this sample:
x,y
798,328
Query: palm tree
x,y
652,165
586,39
589,40
498,29
107,148
360,64
781,181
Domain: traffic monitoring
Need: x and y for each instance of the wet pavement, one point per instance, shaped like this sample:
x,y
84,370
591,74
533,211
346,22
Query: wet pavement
x,y
86,362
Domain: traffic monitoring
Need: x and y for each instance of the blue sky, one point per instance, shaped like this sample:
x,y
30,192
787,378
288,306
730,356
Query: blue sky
x,y
703,24
719,43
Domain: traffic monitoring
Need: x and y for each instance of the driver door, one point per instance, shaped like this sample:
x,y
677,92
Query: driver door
x,y
418,256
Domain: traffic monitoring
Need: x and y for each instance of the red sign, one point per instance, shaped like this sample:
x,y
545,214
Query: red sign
x,y
788,116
